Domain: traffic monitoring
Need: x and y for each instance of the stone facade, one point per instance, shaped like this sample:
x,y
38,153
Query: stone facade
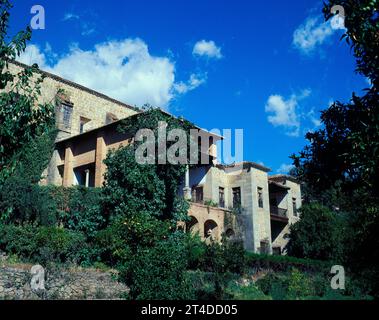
x,y
240,201
87,107
258,220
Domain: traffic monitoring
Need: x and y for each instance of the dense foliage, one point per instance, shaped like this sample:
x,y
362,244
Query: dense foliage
x,y
340,166
320,235
143,207
131,223
39,244
20,98
21,199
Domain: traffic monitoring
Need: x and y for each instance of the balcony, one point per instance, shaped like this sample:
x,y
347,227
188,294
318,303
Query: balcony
x,y
278,214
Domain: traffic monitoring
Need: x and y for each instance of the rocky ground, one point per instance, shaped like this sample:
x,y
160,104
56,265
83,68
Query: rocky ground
x,y
60,283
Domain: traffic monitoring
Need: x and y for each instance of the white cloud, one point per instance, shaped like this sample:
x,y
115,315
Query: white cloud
x,y
207,49
314,32
285,168
32,54
70,16
124,70
284,112
312,117
194,81
87,29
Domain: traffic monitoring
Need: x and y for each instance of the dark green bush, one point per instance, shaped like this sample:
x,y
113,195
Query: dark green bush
x,y
21,199
273,284
225,257
206,285
245,292
285,263
24,203
18,240
59,245
79,209
158,272
288,285
42,244
320,234
196,250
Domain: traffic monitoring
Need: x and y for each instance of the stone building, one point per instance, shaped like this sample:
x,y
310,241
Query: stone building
x,y
239,201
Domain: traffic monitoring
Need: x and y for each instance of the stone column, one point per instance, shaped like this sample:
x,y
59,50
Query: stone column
x,y
68,172
187,188
87,178
101,153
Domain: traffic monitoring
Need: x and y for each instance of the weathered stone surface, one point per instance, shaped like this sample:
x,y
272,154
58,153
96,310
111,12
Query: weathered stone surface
x,y
60,284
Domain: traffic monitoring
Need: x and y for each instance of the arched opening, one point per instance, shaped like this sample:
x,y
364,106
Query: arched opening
x,y
230,234
192,225
211,230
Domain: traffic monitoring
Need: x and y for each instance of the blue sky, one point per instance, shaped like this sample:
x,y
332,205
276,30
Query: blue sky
x,y
266,67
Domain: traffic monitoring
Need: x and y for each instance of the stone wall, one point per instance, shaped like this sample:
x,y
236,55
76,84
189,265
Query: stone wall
x,y
87,104
72,284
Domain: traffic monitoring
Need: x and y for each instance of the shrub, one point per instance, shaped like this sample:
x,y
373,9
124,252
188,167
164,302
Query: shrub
x,y
59,245
220,261
79,209
203,285
319,234
42,244
25,203
18,240
285,263
248,292
225,257
299,285
196,250
273,283
21,199
158,272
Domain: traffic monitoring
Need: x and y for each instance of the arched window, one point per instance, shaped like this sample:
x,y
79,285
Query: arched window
x,y
211,230
192,225
230,233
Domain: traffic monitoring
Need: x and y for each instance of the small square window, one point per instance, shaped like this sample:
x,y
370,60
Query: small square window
x,y
221,197
236,197
260,197
198,194
82,124
294,207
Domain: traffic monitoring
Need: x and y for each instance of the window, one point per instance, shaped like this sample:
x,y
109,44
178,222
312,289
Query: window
x,y
82,124
67,113
197,194
236,197
81,128
221,197
294,207
84,176
260,197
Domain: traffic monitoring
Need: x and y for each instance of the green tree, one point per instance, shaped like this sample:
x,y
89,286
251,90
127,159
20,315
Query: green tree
x,y
318,235
143,206
340,166
22,117
21,198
